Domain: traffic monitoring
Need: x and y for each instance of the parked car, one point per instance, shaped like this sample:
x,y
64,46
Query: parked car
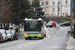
x,y
10,27
65,24
44,23
51,24
15,34
1,37
10,35
5,37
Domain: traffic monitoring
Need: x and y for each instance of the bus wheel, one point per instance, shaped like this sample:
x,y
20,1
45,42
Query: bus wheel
x,y
42,38
26,38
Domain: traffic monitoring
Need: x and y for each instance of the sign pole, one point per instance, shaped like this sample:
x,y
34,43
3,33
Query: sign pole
x,y
74,18
72,5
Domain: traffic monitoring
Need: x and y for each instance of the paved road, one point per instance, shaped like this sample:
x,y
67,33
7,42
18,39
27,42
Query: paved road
x,y
55,40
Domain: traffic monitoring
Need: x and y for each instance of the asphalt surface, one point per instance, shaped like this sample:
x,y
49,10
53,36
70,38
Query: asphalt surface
x,y
55,40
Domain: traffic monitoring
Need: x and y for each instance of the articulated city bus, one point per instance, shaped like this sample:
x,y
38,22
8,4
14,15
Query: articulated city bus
x,y
33,28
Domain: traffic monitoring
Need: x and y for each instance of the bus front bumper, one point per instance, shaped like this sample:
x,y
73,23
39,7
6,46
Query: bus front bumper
x,y
33,36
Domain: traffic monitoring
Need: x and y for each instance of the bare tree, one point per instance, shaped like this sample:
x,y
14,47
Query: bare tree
x,y
5,11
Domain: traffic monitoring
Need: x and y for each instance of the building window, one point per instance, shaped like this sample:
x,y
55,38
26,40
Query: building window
x,y
42,3
59,8
66,14
66,2
53,9
53,3
63,14
46,2
47,15
66,8
46,9
59,2
42,9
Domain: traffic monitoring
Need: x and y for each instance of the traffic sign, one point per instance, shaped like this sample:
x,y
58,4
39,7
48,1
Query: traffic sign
x,y
72,4
73,21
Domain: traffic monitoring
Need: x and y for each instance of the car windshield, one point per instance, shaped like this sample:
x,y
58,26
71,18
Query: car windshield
x,y
33,25
12,31
8,32
66,22
49,22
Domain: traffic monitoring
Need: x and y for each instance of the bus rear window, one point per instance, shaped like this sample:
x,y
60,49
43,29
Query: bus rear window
x,y
32,25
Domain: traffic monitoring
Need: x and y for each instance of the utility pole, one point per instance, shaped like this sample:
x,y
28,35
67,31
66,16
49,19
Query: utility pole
x,y
61,11
19,16
71,1
74,18
58,12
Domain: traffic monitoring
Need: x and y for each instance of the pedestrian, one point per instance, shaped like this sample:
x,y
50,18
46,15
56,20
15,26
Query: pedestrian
x,y
16,29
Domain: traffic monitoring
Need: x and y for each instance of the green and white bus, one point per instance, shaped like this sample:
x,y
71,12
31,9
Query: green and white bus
x,y
33,28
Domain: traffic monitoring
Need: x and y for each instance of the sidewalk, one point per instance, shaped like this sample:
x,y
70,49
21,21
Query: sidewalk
x,y
21,34
71,43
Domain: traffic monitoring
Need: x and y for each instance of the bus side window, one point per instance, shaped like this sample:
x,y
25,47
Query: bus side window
x,y
25,26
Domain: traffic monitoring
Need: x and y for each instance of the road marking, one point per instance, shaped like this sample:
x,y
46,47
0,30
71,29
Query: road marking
x,y
65,28
14,49
19,47
25,45
33,43
45,38
53,29
50,34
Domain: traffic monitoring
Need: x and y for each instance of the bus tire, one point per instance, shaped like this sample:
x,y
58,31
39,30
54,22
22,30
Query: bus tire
x,y
42,38
26,38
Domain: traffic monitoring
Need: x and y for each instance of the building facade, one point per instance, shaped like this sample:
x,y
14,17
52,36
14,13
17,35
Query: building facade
x,y
50,7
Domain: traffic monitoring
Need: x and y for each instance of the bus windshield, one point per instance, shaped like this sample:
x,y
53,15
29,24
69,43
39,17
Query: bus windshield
x,y
32,25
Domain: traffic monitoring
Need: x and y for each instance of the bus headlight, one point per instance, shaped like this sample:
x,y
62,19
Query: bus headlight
x,y
24,32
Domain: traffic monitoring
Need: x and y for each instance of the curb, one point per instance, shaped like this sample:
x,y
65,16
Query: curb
x,y
68,44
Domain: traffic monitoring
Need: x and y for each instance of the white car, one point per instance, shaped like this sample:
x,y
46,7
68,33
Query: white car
x,y
5,37
10,27
15,34
10,35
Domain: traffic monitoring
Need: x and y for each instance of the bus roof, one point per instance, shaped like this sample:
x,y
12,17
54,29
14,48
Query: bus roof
x,y
33,19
